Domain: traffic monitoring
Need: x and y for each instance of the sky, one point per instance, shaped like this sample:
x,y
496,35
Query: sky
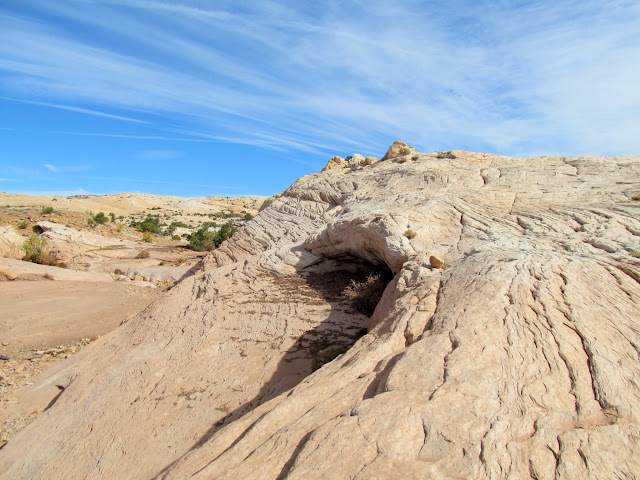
x,y
194,98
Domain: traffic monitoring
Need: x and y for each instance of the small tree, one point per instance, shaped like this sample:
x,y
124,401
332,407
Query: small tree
x,y
100,218
149,224
33,248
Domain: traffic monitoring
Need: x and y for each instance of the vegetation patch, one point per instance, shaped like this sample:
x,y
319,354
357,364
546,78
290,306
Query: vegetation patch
x,y
326,356
100,218
364,296
34,251
410,234
150,224
203,239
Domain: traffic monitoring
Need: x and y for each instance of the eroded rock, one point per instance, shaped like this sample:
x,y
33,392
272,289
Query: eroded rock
x,y
518,360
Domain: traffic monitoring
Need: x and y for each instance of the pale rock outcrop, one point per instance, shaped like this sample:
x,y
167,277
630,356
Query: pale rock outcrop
x,y
352,162
11,269
335,162
518,360
398,149
11,243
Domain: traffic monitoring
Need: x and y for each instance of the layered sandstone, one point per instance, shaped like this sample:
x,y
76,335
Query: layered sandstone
x,y
518,358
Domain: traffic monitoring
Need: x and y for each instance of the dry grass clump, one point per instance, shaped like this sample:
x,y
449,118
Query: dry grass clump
x,y
143,254
410,233
364,296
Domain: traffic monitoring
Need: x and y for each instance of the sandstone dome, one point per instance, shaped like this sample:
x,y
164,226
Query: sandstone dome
x,y
518,358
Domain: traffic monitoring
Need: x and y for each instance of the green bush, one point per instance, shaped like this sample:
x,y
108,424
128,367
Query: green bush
x,y
248,216
175,237
326,356
113,217
146,236
46,210
174,225
149,224
33,247
100,218
203,239
23,224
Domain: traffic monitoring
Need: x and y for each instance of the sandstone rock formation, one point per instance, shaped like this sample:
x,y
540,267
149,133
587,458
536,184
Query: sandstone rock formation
x,y
520,359
130,203
398,149
11,243
353,162
11,269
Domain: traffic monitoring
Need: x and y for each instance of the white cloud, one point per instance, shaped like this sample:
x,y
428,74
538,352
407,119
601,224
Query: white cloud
x,y
57,193
544,76
66,168
159,155
85,111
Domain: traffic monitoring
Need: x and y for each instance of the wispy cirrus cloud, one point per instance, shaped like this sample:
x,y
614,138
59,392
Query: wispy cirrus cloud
x,y
57,193
70,108
314,77
66,168
159,155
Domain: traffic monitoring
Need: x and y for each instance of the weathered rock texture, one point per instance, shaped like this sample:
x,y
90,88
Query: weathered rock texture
x,y
11,243
519,359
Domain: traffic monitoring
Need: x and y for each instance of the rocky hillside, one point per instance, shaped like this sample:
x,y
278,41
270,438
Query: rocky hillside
x,y
519,357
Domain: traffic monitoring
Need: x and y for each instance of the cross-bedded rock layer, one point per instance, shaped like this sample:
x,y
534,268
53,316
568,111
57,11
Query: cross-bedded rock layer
x,y
519,359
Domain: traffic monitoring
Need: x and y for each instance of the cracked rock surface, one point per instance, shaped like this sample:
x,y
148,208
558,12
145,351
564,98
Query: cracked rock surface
x,y
519,359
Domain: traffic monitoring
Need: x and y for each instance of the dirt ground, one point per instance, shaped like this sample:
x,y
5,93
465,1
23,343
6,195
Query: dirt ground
x,y
44,322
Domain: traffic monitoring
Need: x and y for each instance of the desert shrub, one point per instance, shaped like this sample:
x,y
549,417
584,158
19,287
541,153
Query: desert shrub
x,y
248,216
326,356
113,217
47,258
33,247
91,222
34,251
175,237
46,210
177,224
143,254
146,236
149,224
100,218
119,229
23,224
410,234
202,239
364,296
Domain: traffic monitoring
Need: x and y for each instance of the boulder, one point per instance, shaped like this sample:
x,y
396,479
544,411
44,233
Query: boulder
x,y
11,243
398,149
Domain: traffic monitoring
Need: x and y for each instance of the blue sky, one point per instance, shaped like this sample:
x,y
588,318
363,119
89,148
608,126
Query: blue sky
x,y
198,98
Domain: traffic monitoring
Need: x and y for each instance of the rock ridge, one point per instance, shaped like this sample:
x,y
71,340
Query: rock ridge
x,y
518,359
